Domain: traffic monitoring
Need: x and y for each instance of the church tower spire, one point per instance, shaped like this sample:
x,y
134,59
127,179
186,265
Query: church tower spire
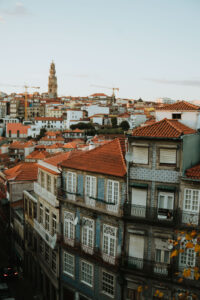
x,y
52,86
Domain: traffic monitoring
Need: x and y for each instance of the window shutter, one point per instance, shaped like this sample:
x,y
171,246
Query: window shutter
x,y
167,156
64,178
98,233
140,155
123,193
80,184
100,188
136,246
139,197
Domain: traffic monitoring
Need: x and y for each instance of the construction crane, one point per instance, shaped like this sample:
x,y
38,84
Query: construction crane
x,y
110,88
26,87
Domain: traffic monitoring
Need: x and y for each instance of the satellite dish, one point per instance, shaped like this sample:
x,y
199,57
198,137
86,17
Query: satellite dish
x,y
75,221
129,156
170,246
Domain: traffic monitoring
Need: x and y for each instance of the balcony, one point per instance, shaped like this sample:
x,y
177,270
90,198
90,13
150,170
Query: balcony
x,y
149,267
109,259
89,201
190,217
68,241
87,249
150,214
50,240
46,195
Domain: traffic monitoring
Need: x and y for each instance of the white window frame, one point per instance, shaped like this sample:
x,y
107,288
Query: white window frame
x,y
71,182
192,203
83,273
109,240
107,284
112,187
68,264
88,232
164,159
69,226
90,186
54,224
136,155
162,256
165,195
185,257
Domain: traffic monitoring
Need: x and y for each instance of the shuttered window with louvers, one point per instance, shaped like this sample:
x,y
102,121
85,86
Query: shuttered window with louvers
x,y
140,155
168,156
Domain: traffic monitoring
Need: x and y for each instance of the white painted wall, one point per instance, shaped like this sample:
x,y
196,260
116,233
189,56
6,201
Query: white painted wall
x,y
190,118
96,109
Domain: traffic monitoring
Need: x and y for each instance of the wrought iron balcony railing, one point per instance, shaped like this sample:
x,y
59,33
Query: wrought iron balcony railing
x,y
161,215
150,267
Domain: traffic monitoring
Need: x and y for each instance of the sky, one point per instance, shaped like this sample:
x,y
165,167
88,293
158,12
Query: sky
x,y
146,48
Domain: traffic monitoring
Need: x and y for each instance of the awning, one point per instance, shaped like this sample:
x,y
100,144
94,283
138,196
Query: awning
x,y
166,188
139,185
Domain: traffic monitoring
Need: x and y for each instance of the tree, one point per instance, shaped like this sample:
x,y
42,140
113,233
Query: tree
x,y
42,133
114,122
124,125
82,125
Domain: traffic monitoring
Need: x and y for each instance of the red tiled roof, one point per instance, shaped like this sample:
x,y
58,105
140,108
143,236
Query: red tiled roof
x,y
26,171
57,158
105,159
21,145
99,95
179,106
193,172
38,155
165,128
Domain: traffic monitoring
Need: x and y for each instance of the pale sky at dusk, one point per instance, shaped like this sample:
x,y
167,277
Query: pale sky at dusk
x,y
147,48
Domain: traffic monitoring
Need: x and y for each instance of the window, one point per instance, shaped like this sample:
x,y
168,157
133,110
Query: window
x,y
136,251
42,179
68,264
138,202
188,257
141,155
55,185
18,133
69,225
48,183
108,284
165,205
168,156
47,219
90,186
41,246
162,256
46,254
53,261
113,192
87,273
191,200
54,224
41,213
71,182
88,232
176,116
109,240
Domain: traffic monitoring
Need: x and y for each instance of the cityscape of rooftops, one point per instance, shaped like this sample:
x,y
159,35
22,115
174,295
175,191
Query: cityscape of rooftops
x,y
99,150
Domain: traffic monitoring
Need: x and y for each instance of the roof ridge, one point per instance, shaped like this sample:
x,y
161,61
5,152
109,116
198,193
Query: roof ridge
x,y
173,125
120,147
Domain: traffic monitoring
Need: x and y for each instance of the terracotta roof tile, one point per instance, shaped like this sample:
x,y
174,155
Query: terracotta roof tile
x,y
165,128
193,172
179,106
26,171
105,159
38,155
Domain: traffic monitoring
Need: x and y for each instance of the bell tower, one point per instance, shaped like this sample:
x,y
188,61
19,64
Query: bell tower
x,y
52,86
